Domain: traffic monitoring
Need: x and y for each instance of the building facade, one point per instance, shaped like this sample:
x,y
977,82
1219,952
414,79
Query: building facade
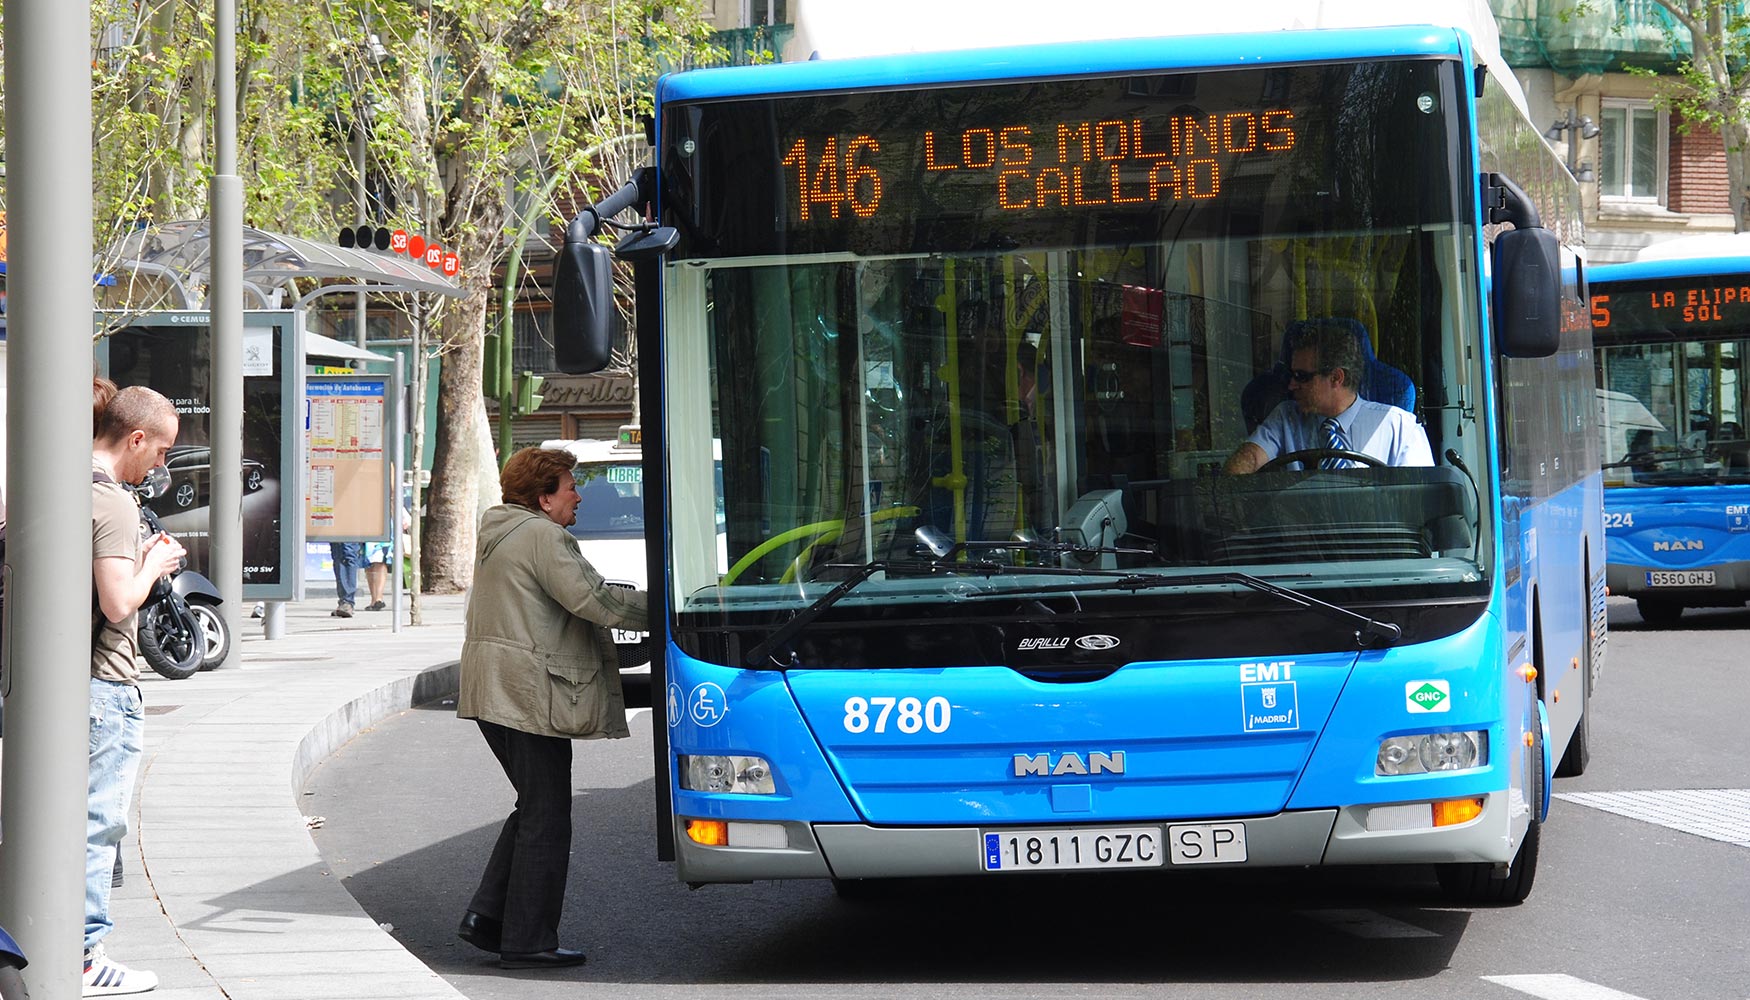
x,y
1645,178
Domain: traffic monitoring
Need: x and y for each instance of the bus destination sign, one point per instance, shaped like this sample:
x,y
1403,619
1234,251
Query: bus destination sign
x,y
1026,166
1111,160
1691,304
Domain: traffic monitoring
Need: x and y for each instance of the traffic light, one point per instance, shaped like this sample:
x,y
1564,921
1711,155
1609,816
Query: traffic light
x,y
528,393
490,385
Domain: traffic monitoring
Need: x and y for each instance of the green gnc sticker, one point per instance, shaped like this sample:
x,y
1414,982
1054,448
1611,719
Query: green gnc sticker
x,y
1428,696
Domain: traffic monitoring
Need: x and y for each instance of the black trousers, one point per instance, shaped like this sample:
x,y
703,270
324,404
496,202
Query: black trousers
x,y
524,884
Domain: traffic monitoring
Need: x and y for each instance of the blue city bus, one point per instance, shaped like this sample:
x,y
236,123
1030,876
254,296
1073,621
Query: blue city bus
x,y
1673,339
976,330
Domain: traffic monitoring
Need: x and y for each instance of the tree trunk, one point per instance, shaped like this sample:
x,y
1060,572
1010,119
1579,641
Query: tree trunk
x,y
447,562
1737,140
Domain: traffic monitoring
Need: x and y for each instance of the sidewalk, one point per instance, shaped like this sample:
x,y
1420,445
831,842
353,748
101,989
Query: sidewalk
x,y
225,893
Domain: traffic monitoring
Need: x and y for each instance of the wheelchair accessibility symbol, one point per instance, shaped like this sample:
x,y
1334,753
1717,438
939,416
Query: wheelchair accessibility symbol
x,y
707,705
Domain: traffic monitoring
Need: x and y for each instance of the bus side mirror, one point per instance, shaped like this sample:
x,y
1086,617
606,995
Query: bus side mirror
x,y
1528,293
583,307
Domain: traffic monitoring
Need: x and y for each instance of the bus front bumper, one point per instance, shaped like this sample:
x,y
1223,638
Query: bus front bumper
x,y
1731,586
1288,839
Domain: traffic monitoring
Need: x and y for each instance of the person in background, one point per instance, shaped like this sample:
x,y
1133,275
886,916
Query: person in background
x,y
538,670
134,432
348,557
378,556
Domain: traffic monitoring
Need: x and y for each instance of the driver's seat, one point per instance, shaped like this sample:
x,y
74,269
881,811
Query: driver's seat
x,y
1378,381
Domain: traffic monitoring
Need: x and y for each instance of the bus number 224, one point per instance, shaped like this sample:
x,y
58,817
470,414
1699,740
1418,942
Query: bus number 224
x,y
872,714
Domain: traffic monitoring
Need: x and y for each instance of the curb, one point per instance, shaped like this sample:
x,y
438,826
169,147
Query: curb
x,y
345,723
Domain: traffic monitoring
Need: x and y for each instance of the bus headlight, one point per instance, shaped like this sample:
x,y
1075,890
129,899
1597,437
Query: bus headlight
x,y
711,773
1431,752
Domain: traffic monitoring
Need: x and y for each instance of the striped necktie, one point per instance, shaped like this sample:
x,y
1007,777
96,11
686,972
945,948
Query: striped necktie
x,y
1335,441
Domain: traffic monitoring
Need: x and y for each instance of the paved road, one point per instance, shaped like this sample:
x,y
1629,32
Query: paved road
x,y
1624,907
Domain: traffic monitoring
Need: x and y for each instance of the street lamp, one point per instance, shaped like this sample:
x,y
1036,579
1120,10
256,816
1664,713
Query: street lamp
x,y
1584,128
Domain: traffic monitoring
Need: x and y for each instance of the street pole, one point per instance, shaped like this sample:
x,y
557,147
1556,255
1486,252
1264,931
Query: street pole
x,y
358,195
48,492
397,419
225,307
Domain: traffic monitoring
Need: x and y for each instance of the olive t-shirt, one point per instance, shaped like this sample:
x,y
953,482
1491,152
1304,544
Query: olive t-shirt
x,y
116,530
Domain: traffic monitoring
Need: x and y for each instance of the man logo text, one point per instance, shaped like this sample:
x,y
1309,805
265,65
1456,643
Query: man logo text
x,y
1680,545
1041,765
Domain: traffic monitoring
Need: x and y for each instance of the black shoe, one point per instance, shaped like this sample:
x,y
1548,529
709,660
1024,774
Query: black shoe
x,y
376,606
558,958
481,931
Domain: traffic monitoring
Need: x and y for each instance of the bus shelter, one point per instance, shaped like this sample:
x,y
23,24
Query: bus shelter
x,y
162,275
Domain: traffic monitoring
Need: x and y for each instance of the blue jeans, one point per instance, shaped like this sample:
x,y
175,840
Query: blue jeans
x,y
348,557
118,723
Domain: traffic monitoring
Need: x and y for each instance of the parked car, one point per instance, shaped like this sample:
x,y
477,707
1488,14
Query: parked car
x,y
190,482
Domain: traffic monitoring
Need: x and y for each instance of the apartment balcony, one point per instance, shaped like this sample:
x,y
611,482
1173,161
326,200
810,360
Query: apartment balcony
x,y
1613,35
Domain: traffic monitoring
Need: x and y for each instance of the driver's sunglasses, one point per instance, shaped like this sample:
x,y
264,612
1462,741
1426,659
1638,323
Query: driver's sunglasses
x,y
1300,375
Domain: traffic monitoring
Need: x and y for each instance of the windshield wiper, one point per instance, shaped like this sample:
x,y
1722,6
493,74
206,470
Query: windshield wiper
x,y
757,656
1369,632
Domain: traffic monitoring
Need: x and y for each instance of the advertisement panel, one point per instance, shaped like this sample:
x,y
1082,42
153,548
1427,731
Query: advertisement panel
x,y
172,353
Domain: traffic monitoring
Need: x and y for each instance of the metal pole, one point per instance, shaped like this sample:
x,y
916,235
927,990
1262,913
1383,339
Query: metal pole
x,y
416,411
225,306
398,472
48,433
358,195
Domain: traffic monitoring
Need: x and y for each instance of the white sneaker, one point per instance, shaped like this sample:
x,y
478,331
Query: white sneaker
x,y
107,978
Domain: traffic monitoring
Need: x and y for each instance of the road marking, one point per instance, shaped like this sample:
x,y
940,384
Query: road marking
x,y
1560,987
1366,924
1721,814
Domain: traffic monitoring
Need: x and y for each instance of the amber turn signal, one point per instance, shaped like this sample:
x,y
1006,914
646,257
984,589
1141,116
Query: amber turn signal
x,y
711,832
1528,672
1457,811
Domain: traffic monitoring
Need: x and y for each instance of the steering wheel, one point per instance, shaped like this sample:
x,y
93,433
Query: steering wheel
x,y
1311,457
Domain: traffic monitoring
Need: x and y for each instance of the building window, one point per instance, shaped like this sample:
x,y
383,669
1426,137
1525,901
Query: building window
x,y
532,350
757,12
1631,150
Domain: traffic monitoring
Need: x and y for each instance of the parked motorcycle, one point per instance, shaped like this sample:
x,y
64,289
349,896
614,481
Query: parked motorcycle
x,y
181,630
11,960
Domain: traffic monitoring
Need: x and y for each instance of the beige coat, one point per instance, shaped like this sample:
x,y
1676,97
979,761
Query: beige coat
x,y
536,653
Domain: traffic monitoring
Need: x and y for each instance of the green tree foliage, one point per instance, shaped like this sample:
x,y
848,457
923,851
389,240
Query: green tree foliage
x,y
472,117
1710,88
476,113
152,85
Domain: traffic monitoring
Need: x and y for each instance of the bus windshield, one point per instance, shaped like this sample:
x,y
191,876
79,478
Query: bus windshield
x,y
1671,400
1036,319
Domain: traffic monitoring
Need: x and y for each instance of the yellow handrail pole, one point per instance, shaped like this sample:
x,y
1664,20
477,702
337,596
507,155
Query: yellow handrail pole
x,y
1012,379
955,480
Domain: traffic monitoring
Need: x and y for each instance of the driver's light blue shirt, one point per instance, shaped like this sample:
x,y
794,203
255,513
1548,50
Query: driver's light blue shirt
x,y
1381,430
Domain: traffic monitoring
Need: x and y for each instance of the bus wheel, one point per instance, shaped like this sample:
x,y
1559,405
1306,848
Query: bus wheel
x,y
1476,883
1657,613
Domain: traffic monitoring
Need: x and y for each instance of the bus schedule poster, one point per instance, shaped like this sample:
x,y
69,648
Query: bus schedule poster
x,y
346,494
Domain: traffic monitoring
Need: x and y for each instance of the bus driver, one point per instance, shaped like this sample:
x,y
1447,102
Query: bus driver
x,y
1325,414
